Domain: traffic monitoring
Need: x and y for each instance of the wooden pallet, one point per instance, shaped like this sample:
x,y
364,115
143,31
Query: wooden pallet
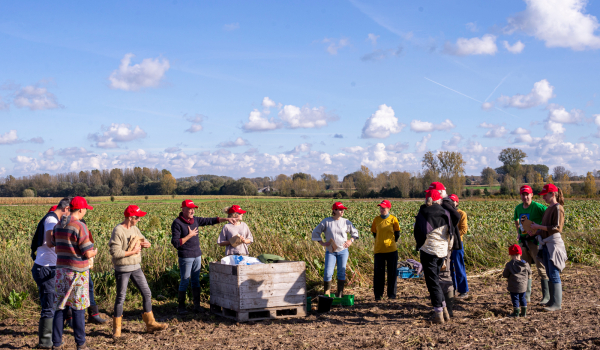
x,y
269,313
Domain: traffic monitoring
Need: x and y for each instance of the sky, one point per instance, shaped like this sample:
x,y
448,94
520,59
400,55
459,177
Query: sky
x,y
261,88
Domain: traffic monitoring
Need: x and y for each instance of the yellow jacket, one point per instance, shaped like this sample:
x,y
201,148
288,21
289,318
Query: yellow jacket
x,y
463,227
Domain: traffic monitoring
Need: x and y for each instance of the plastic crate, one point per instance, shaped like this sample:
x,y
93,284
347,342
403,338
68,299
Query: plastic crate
x,y
345,300
407,272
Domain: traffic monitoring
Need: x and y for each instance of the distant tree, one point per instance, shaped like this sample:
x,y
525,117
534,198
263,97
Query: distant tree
x,y
538,183
168,184
549,179
512,159
589,185
452,170
564,185
28,192
330,180
302,176
488,176
363,181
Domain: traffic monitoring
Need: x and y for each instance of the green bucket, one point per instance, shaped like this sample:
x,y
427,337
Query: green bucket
x,y
308,304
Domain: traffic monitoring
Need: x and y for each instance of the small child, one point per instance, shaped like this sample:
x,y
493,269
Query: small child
x,y
518,273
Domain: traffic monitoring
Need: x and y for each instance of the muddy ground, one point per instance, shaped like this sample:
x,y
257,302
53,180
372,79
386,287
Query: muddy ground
x,y
480,322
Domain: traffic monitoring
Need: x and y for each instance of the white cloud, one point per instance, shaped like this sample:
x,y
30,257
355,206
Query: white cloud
x,y
256,122
116,133
304,147
486,45
554,127
305,117
559,23
238,142
35,98
520,131
397,147
231,27
515,48
196,126
420,126
496,131
421,146
373,38
353,149
268,103
486,106
382,124
9,138
148,73
173,150
559,114
540,94
2,171
597,121
452,144
335,45
472,26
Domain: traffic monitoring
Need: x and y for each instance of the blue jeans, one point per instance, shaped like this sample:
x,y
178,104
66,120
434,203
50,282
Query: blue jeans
x,y
518,298
551,270
331,259
459,272
92,299
44,278
78,327
189,268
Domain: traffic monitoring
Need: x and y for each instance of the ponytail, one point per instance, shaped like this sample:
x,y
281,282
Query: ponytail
x,y
559,197
428,201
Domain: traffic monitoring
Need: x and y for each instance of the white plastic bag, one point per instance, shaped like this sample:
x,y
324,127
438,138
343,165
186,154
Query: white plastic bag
x,y
240,260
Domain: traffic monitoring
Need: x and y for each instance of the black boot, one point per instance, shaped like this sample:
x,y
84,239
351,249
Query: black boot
x,y
340,285
45,333
326,288
196,294
449,298
181,299
94,315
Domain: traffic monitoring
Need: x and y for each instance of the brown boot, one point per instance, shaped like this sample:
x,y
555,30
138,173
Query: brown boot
x,y
151,324
438,317
117,326
446,314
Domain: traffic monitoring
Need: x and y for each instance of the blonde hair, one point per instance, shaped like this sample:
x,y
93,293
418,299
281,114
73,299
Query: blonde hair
x,y
230,215
559,197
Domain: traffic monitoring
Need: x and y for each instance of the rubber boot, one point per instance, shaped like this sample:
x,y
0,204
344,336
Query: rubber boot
x,y
94,315
340,285
45,333
196,294
515,313
151,324
523,311
446,314
117,326
551,294
545,292
449,298
438,317
556,295
326,288
181,299
528,292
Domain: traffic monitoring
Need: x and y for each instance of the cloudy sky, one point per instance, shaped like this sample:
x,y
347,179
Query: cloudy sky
x,y
259,88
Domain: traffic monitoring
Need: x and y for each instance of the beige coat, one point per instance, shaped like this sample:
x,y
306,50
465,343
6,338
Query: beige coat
x,y
120,243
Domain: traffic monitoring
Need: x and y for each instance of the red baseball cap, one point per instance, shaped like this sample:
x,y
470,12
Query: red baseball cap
x,y
548,188
454,197
188,203
236,209
514,250
433,194
436,186
385,204
525,189
134,210
338,206
53,208
79,203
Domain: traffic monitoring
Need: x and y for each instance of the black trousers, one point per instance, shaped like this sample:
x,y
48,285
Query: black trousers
x,y
431,268
381,260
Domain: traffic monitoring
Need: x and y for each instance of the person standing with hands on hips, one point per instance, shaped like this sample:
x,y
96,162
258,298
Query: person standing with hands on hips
x,y
184,237
336,231
386,231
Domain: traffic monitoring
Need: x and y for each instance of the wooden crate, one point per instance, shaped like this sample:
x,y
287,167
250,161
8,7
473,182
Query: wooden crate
x,y
258,292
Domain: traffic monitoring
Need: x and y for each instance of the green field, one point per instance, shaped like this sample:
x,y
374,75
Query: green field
x,y
282,227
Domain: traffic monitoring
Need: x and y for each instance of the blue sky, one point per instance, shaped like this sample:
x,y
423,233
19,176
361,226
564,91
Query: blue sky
x,y
258,88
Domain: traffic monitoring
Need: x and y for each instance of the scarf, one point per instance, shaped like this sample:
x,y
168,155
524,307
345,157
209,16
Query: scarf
x,y
190,221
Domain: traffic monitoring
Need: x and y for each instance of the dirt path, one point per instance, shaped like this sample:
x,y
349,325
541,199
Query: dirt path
x,y
480,322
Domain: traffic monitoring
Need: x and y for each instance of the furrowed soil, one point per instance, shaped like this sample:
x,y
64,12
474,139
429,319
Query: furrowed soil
x,y
480,322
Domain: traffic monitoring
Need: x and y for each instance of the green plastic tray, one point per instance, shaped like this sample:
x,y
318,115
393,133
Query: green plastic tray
x,y
346,300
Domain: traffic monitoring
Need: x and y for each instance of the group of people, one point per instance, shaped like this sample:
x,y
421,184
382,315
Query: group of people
x,y
63,250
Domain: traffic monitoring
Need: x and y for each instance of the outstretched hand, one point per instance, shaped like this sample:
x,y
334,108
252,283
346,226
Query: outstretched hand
x,y
229,220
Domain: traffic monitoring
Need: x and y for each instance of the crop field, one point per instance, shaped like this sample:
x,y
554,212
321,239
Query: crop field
x,y
281,227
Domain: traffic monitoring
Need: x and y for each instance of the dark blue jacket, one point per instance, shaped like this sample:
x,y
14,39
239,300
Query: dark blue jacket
x,y
179,229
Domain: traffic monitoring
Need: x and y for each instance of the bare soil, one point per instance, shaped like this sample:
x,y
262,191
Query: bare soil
x,y
480,322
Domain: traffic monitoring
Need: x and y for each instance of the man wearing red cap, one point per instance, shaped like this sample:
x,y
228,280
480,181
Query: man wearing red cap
x,y
74,248
184,237
457,265
386,231
126,243
534,212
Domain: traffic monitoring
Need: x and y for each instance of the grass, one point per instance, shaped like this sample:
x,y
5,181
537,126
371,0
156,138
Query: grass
x,y
281,227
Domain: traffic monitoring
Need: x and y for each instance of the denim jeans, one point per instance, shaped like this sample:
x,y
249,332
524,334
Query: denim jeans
x,y
78,327
518,298
333,259
92,299
139,280
189,268
551,270
459,271
44,278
